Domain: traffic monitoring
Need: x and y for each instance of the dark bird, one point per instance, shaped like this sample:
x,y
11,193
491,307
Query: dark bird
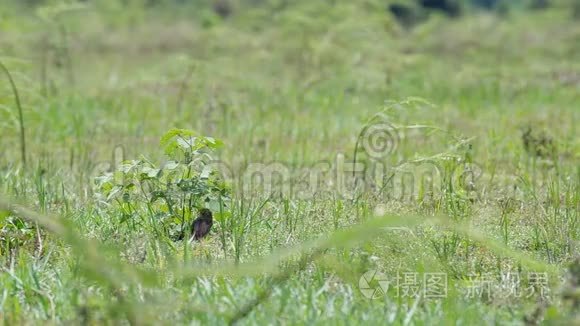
x,y
202,224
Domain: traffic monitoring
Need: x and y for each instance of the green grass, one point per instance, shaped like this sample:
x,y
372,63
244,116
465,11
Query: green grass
x,y
294,86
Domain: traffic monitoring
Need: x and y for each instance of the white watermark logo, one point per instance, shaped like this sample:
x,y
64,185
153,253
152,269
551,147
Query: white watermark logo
x,y
373,284
434,285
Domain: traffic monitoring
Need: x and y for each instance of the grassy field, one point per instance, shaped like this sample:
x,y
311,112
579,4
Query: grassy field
x,y
358,172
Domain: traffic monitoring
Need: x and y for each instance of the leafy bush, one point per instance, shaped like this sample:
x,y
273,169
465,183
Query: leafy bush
x,y
171,193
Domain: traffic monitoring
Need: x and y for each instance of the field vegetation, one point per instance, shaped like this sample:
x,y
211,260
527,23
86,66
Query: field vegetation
x,y
360,169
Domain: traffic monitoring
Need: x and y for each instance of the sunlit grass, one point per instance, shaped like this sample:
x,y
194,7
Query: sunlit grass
x,y
296,88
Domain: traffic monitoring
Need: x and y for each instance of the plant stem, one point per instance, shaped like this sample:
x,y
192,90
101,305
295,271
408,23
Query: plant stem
x,y
20,115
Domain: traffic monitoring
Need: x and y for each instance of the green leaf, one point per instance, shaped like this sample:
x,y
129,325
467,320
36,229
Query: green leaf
x,y
171,165
187,141
128,166
213,142
185,144
100,181
114,192
206,172
150,172
168,137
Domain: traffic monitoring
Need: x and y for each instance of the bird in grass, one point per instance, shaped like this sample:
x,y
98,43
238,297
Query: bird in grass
x,y
202,224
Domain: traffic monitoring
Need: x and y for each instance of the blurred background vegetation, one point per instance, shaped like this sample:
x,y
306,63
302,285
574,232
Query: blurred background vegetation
x,y
293,82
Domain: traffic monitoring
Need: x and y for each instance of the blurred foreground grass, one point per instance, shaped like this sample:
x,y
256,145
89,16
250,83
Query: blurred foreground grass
x,y
296,86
